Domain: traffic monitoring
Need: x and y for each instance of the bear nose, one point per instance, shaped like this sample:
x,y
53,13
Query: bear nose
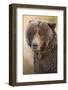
x,y
35,45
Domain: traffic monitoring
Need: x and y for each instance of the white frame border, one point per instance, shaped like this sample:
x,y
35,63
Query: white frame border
x,y
45,77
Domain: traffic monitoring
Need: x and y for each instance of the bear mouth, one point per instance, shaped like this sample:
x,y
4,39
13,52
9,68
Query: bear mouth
x,y
38,48
35,47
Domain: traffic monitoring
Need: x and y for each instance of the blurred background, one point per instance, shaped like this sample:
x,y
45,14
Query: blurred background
x,y
28,54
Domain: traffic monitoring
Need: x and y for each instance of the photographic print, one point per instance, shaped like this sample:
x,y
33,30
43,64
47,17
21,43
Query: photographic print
x,y
40,44
37,44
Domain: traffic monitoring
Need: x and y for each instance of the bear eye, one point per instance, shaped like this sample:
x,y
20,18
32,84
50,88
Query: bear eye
x,y
41,32
31,34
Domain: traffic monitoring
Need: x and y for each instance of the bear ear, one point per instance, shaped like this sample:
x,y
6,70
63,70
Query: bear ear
x,y
31,21
52,25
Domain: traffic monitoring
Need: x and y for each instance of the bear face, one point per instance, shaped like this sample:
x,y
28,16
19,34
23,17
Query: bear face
x,y
39,34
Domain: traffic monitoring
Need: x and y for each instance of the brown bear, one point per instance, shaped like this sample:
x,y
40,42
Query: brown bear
x,y
42,38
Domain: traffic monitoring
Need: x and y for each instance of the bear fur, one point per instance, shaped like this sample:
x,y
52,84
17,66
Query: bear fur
x,y
45,52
